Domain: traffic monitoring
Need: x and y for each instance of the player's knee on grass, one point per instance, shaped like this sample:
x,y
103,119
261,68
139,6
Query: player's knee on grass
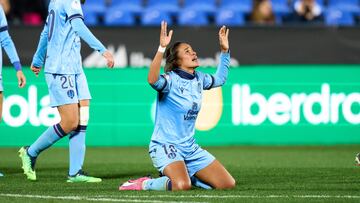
x,y
181,185
225,184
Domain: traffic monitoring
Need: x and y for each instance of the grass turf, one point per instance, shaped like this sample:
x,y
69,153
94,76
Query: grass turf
x,y
263,174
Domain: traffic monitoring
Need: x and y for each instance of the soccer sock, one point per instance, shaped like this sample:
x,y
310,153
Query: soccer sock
x,y
162,183
198,183
47,138
77,149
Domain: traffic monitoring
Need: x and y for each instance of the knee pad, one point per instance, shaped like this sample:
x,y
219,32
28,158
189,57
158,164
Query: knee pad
x,y
84,115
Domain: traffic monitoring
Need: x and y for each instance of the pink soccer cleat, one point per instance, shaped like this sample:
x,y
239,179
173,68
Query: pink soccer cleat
x,y
134,184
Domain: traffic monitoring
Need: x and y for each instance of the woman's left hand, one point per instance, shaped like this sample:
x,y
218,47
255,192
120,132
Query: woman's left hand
x,y
224,39
21,78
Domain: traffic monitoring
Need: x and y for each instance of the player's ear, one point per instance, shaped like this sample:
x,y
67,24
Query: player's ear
x,y
82,1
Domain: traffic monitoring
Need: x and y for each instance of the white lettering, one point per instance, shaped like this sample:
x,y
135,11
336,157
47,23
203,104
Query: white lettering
x,y
19,120
323,99
278,108
348,114
29,110
315,108
253,99
236,104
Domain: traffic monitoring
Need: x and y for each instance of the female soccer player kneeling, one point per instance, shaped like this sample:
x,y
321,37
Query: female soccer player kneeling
x,y
173,149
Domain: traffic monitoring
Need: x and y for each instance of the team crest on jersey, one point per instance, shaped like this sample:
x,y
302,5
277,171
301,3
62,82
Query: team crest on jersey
x,y
182,90
71,93
76,4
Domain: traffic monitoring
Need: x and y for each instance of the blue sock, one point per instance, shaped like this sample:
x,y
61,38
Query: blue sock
x,y
198,183
77,149
48,138
162,183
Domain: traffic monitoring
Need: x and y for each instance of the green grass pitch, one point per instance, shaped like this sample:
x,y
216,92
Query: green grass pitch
x,y
263,174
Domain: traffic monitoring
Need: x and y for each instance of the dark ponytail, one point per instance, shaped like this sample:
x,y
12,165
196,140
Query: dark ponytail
x,y
171,56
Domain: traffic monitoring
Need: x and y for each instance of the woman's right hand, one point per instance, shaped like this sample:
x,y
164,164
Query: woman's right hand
x,y
109,59
165,38
35,70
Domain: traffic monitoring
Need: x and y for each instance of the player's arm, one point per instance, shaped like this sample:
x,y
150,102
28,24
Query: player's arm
x,y
80,28
40,54
219,78
9,47
156,81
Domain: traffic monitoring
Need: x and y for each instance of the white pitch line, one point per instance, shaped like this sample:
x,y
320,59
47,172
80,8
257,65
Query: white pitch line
x,y
139,198
76,198
245,196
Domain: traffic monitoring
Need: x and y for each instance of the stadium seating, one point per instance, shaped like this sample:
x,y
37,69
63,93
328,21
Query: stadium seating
x,y
206,12
244,6
95,7
280,7
117,17
207,6
134,6
152,17
345,5
336,17
229,17
190,17
170,6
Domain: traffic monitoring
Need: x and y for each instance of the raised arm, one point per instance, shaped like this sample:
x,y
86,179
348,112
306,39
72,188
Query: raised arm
x,y
165,38
219,78
223,67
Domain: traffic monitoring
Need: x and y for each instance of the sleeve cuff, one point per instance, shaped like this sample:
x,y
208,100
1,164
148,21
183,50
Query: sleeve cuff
x,y
226,54
4,28
102,50
36,64
17,65
75,16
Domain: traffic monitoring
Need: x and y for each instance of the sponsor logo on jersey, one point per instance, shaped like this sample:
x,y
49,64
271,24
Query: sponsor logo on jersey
x,y
192,113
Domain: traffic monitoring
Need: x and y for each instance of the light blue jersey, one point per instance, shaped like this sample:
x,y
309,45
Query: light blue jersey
x,y
59,48
8,45
63,49
60,39
178,104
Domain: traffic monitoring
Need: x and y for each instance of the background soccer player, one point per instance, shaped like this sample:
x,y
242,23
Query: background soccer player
x,y
173,149
68,88
10,50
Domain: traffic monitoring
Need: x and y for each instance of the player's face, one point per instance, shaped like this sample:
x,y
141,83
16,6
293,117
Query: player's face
x,y
187,56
